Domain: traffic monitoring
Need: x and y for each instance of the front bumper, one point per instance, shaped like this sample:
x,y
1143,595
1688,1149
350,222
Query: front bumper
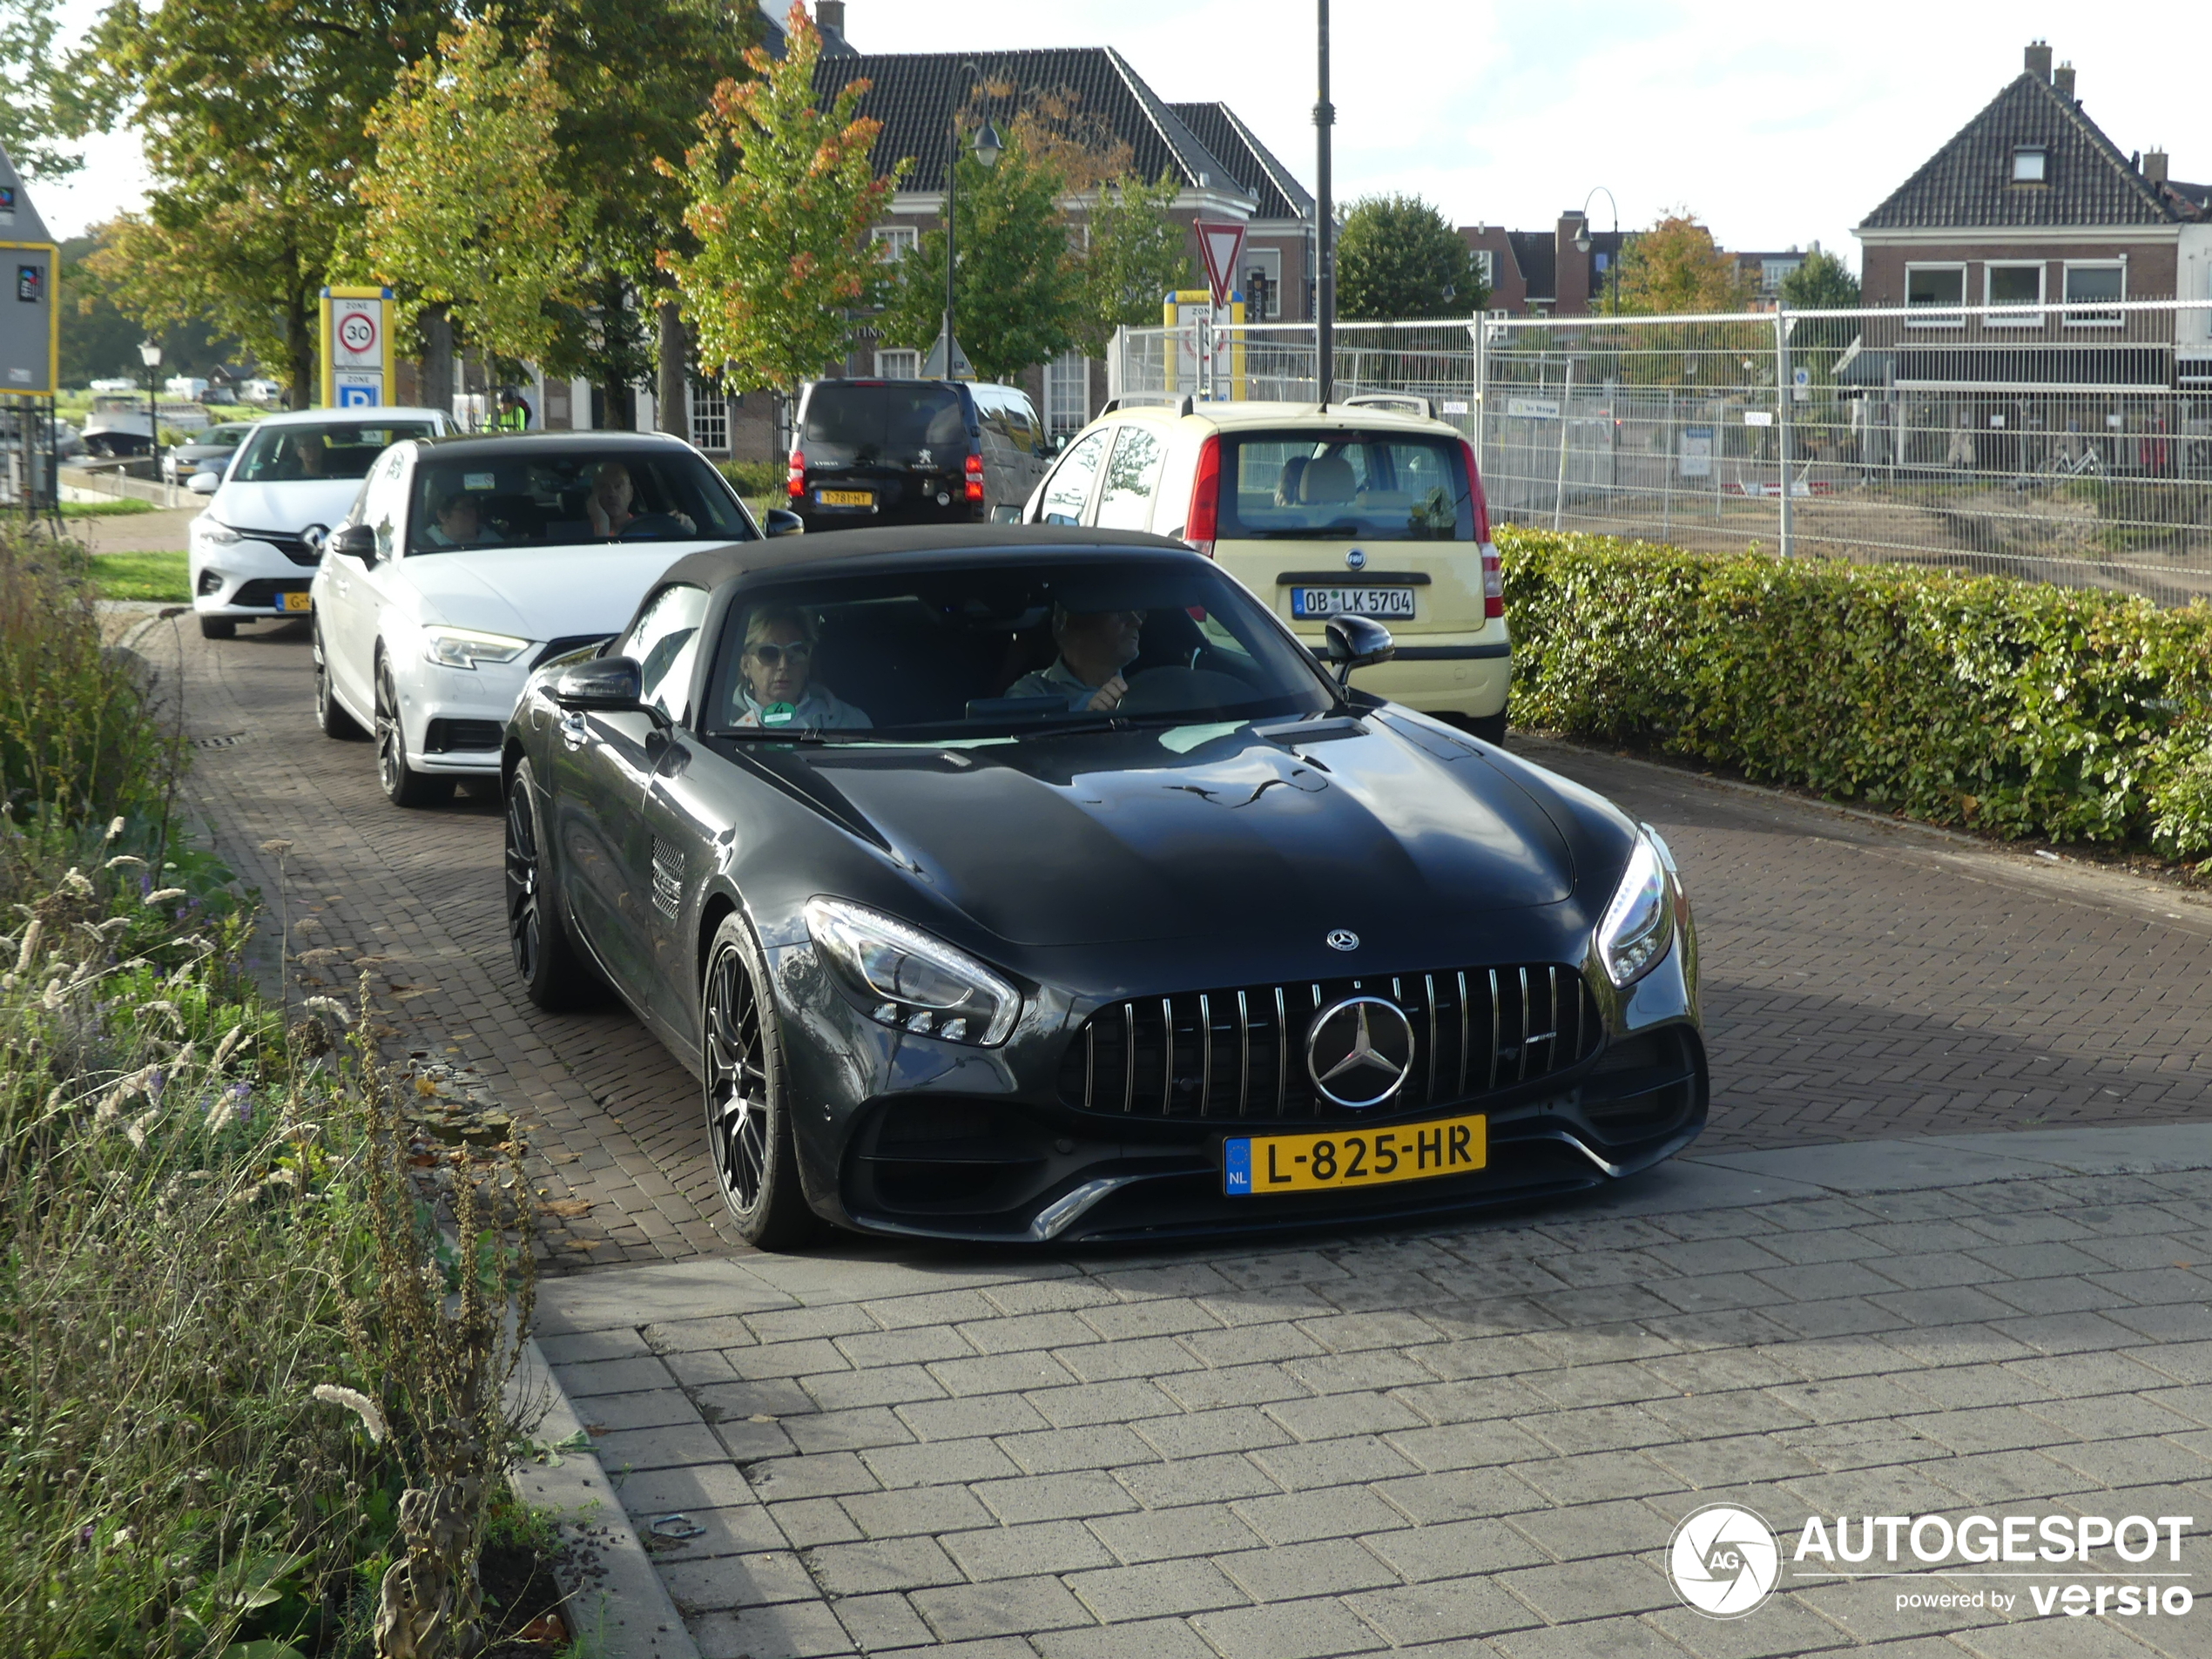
x,y
913,1138
455,719
247,579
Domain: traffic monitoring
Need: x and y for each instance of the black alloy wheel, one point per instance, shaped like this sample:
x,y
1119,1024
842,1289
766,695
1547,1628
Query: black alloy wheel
x,y
402,784
330,715
555,974
748,1111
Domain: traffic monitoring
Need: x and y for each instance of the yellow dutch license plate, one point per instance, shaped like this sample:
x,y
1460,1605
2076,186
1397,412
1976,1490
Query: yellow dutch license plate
x,y
297,602
1353,1157
845,497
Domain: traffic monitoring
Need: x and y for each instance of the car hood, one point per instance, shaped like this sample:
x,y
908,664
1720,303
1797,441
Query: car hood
x,y
540,592
289,507
1089,840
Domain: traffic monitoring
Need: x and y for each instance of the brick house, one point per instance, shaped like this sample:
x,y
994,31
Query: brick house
x,y
1543,273
2031,203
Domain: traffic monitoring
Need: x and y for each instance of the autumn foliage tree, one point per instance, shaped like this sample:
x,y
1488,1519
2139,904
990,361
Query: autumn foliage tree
x,y
782,197
1674,269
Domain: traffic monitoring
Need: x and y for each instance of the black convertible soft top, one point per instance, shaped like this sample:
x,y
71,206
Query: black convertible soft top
x,y
714,566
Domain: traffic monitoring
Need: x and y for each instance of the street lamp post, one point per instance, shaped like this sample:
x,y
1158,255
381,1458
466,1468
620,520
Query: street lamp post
x,y
150,354
1325,253
1582,246
988,148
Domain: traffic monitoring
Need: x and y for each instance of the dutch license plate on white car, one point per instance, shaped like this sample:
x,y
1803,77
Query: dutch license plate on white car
x,y
1322,603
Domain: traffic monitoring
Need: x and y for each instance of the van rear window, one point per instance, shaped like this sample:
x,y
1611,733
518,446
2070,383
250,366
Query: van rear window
x,y
1378,486
887,424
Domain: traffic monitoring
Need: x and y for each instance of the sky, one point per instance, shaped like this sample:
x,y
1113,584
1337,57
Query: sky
x,y
1777,126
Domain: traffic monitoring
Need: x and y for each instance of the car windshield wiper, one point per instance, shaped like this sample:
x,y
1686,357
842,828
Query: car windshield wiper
x,y
774,734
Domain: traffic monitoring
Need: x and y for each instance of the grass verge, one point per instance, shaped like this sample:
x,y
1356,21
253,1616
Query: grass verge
x,y
163,576
121,507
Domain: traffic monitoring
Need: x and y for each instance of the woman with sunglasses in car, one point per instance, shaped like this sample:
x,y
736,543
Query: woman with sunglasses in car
x,y
773,684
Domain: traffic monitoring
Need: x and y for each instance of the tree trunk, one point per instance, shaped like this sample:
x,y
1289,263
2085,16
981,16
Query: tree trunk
x,y
621,406
672,397
436,329
301,320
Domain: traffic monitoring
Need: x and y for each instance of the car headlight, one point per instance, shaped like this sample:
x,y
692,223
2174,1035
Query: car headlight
x,y
465,647
1639,923
217,534
911,981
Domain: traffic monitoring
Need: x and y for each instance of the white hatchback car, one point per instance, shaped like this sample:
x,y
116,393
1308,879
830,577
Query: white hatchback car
x,y
254,550
465,564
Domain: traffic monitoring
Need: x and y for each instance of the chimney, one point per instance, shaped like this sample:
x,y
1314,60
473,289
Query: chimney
x,y
2154,166
2039,59
2063,81
829,17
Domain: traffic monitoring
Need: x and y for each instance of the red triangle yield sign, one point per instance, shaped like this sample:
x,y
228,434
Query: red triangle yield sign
x,y
1221,245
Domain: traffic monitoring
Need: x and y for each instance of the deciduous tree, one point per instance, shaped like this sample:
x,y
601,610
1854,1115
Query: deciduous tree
x,y
781,195
1822,283
35,116
1137,253
1675,268
1397,256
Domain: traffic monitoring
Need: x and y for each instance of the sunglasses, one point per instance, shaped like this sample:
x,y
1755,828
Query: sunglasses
x,y
773,656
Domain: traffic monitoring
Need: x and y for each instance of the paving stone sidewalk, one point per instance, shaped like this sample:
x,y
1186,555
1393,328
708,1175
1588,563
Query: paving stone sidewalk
x,y
1467,1443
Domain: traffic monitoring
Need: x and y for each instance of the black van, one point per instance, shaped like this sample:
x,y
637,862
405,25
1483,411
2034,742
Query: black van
x,y
912,452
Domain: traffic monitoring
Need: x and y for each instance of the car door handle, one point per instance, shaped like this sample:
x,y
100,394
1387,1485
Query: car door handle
x,y
572,730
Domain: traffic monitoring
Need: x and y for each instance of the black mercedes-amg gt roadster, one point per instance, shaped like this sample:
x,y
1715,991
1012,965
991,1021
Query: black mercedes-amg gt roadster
x,y
1032,883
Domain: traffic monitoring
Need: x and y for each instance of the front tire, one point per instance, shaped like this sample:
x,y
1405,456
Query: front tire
x,y
402,784
1491,728
330,715
748,1101
217,627
555,974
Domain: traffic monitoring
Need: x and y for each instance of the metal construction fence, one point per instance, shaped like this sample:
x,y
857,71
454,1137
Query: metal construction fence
x,y
2062,443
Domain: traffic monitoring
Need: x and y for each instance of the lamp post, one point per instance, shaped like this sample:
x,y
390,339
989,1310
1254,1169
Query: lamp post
x,y
988,149
1583,244
1325,253
150,354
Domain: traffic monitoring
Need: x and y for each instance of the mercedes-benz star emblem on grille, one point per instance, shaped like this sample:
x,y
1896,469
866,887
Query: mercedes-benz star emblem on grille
x,y
1344,939
1355,560
1359,1052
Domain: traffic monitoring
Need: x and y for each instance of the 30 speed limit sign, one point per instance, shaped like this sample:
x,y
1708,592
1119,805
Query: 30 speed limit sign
x,y
357,333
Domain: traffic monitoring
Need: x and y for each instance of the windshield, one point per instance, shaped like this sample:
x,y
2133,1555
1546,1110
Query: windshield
x,y
883,423
290,455
536,497
1379,487
1021,649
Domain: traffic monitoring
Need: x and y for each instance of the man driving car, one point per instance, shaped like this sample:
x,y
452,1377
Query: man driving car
x,y
1095,646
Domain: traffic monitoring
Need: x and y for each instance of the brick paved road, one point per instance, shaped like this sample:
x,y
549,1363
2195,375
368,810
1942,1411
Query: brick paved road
x,y
1476,1442
1861,980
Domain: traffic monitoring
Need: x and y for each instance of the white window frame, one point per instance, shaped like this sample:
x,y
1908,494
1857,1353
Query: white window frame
x,y
896,241
2042,154
898,365
2093,319
1952,321
1067,393
709,418
1269,262
1485,266
1988,293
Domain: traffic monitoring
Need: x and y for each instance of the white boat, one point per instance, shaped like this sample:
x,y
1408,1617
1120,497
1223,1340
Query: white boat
x,y
118,426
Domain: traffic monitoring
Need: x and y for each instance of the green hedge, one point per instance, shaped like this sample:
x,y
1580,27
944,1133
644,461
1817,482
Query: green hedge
x,y
2011,707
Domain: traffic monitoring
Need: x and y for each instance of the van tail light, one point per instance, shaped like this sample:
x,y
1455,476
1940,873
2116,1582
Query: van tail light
x,y
795,483
1494,579
975,478
1203,519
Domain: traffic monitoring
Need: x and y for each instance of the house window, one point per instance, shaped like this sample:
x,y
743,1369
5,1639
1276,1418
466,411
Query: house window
x,y
2086,284
1486,265
2028,165
1262,281
893,242
709,418
1067,393
2014,285
1935,285
899,365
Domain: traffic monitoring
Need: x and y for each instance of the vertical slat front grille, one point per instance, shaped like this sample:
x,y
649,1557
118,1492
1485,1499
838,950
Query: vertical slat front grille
x,y
1238,1053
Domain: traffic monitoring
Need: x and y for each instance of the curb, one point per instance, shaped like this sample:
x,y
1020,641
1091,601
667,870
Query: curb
x,y
617,1603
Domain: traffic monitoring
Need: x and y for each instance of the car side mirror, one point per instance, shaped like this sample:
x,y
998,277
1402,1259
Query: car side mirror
x,y
204,483
611,684
1358,642
781,521
1006,513
352,540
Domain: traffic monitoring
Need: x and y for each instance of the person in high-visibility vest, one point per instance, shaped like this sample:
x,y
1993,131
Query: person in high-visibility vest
x,y
513,416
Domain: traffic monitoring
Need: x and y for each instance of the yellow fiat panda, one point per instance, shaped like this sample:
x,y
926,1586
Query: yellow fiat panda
x,y
1366,508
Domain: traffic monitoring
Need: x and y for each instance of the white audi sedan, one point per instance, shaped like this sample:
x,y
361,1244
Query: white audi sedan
x,y
255,548
467,562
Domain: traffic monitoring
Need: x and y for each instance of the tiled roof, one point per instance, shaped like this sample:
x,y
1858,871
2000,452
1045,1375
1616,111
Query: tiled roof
x,y
1249,162
914,95
1968,182
771,31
